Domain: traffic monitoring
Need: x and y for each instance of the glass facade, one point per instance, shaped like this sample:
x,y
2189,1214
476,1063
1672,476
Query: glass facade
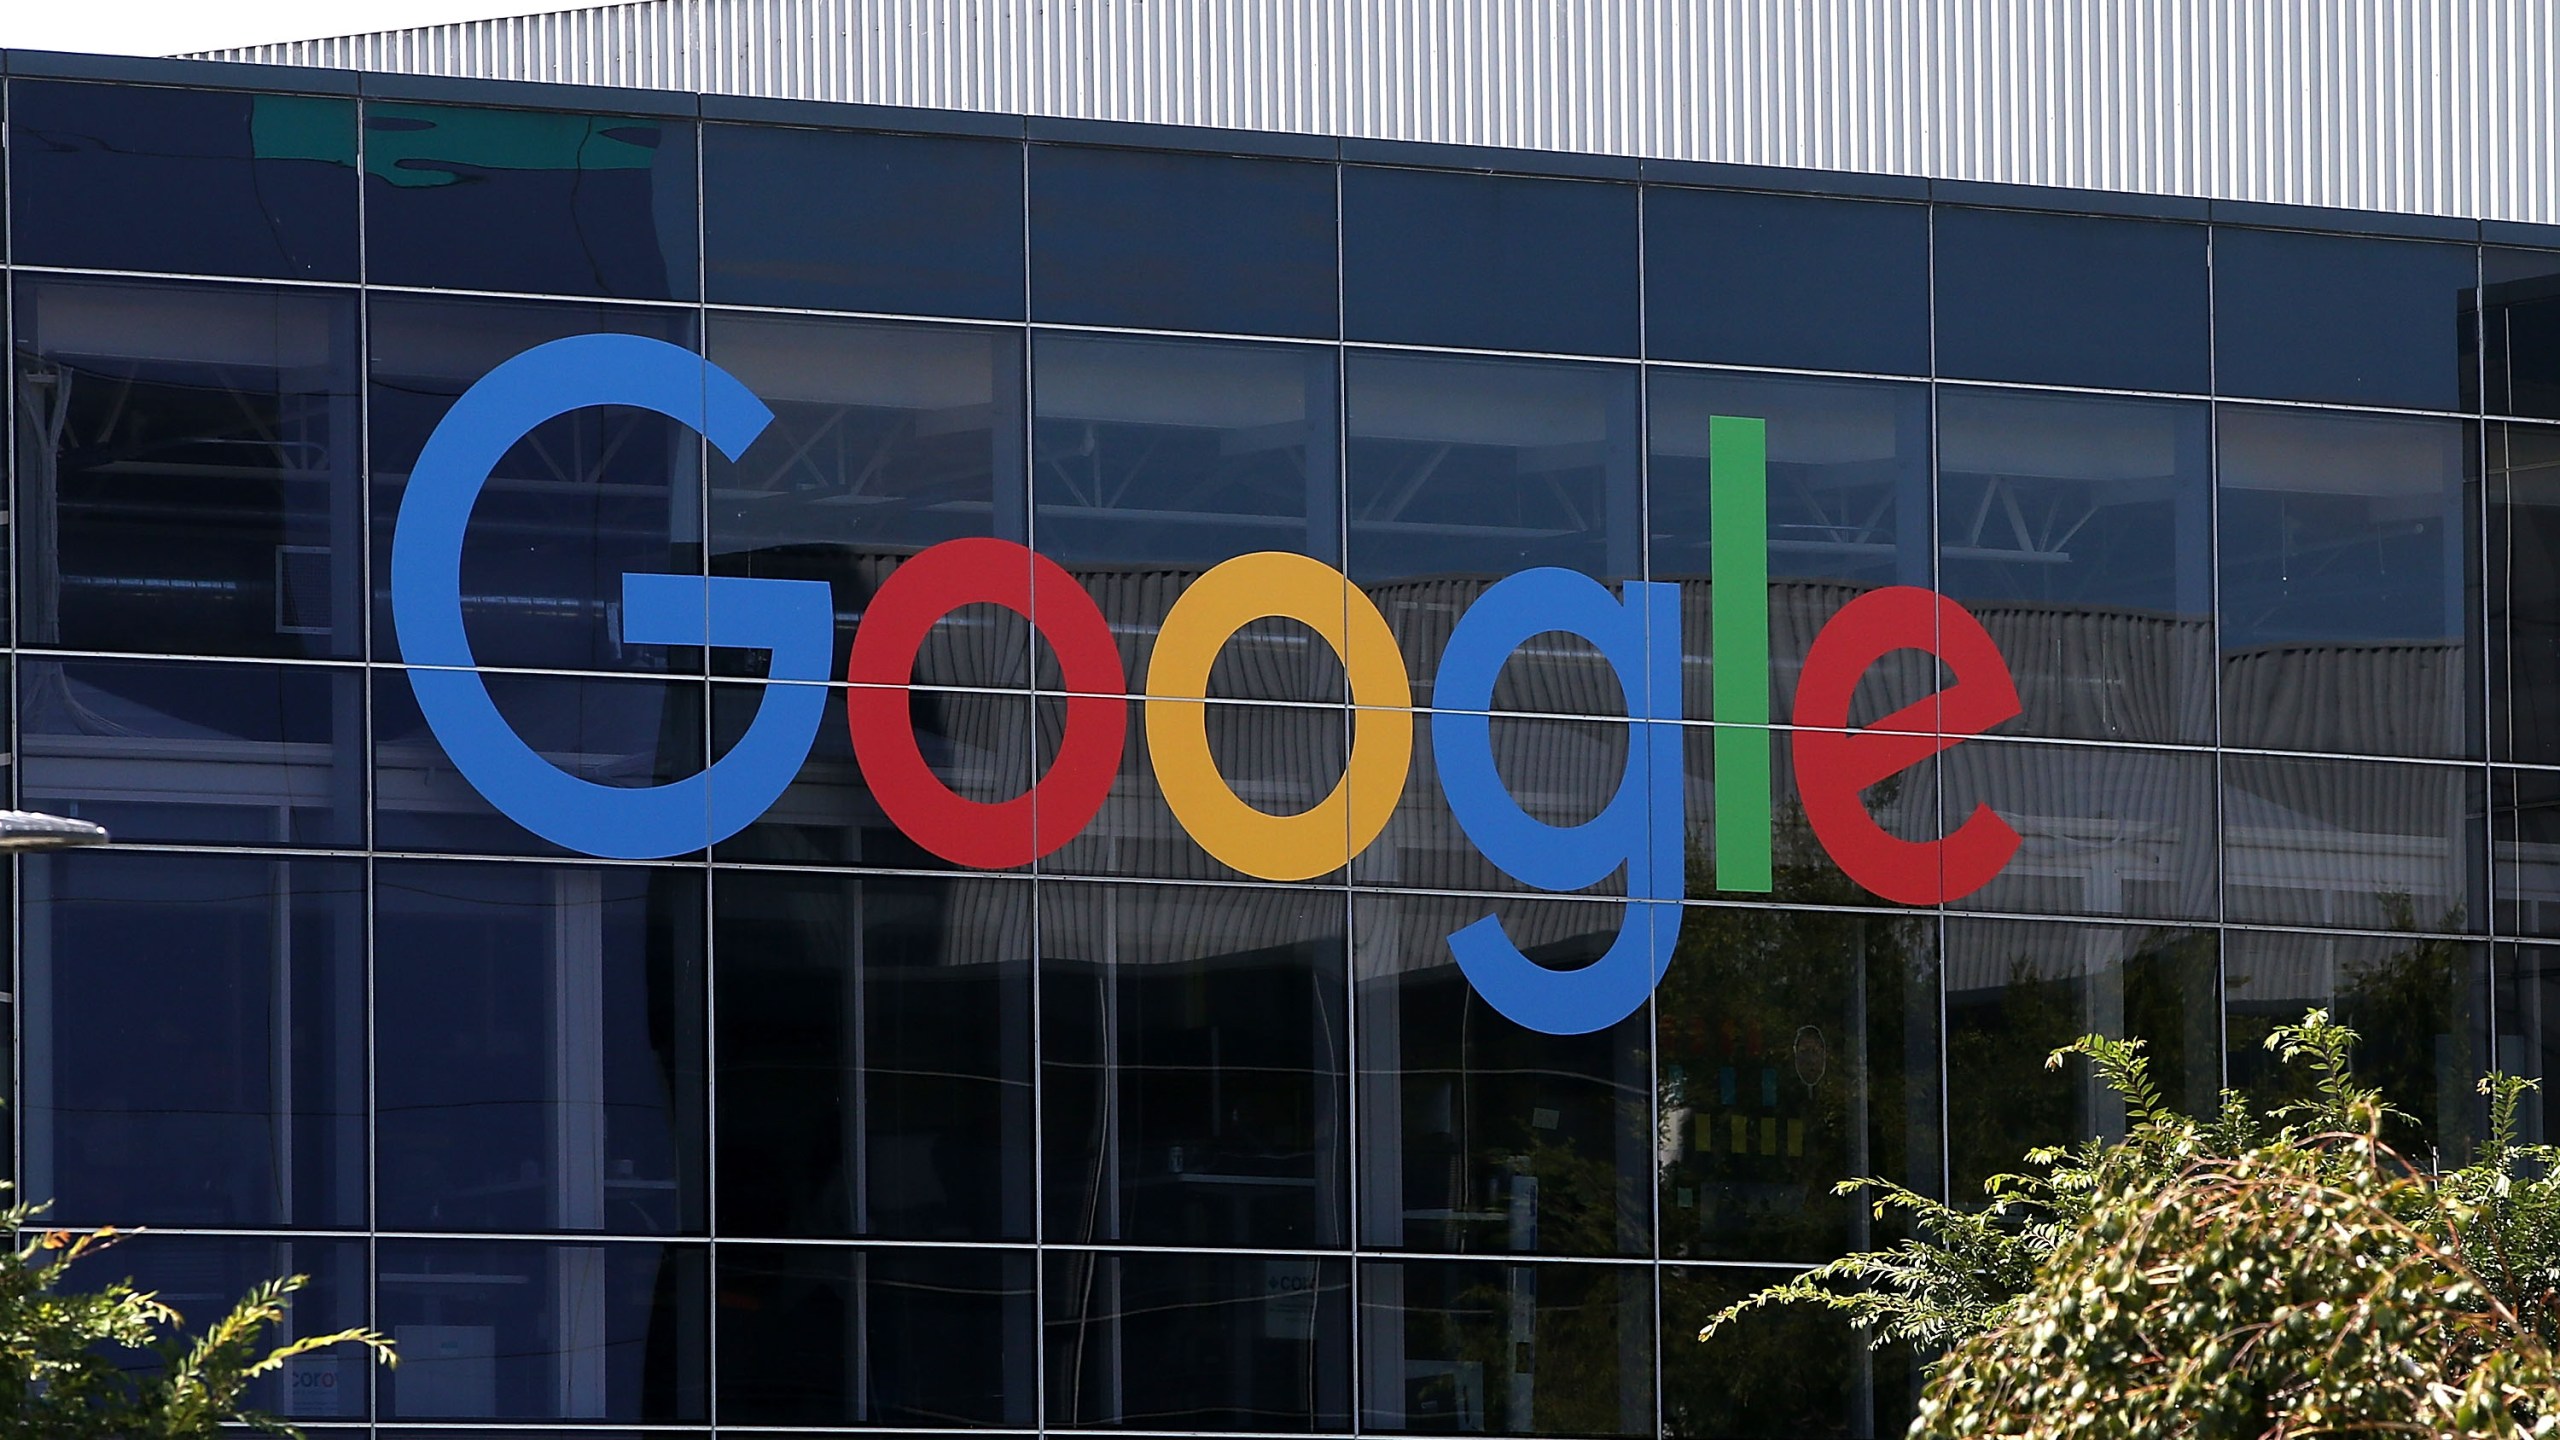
x,y
816,1126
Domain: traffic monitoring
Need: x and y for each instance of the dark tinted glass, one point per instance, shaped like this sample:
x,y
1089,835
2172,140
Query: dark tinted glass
x,y
1279,759
538,1037
1462,471
2524,603
1159,459
2360,844
1193,1064
573,507
1797,1047
2335,317
2528,1008
2017,991
1776,1374
2419,1007
493,1330
2103,830
195,1047
2520,332
203,1276
1469,1345
1481,1135
1793,280
875,1056
2071,300
1847,490
1560,772
197,753
830,1335
533,201
886,439
1489,262
2080,532
2348,555
188,469
979,744
824,219
1199,1342
1181,242
207,182
2524,818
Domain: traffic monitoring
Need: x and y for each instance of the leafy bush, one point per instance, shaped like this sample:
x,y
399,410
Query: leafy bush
x,y
2239,1276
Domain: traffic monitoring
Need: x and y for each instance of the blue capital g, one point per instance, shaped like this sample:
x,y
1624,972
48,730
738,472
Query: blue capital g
x,y
794,619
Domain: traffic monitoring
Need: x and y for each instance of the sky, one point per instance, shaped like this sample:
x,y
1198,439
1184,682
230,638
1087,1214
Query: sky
x,y
171,27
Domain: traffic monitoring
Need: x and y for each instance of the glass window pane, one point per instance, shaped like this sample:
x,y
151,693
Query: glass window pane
x,y
1279,759
1800,281
197,753
203,1276
2520,332
2358,844
2071,300
1475,1133
886,439
573,507
498,1330
2524,820
1158,459
1163,241
195,1047
2348,553
1798,1048
1777,1374
1560,772
1199,1342
539,1048
832,1335
1193,1070
2419,1007
531,201
2019,990
1505,1349
978,743
2524,604
1848,505
1463,471
202,182
2080,532
2528,1009
188,469
2344,318
793,217
875,1056
2103,830
1489,262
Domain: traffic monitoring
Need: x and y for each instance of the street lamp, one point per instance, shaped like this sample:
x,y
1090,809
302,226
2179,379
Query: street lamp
x,y
22,831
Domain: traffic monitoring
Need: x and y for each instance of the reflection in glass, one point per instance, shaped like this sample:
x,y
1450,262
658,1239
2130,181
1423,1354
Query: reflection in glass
x,y
875,1056
195,1046
1193,1064
1462,471
1848,473
538,1039
2419,1008
1798,1048
1159,240
978,743
1199,1342
203,1276
1278,759
1802,281
2080,532
2071,300
187,469
501,1330
2348,318
2528,1010
530,201
197,753
2524,605
1776,1374
2348,565
1489,262
1155,460
2102,831
1559,772
572,507
1477,1134
2017,991
831,1335
2524,821
886,438
1476,1346
203,182
2520,332
2353,843
792,217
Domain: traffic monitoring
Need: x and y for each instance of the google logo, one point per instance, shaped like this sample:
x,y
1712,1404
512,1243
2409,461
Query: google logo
x,y
1641,831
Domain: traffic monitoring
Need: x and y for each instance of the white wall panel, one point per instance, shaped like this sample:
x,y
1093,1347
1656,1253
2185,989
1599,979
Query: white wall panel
x,y
2429,106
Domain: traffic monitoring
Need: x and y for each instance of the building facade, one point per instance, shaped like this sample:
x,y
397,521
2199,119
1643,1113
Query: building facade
x,y
1286,785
